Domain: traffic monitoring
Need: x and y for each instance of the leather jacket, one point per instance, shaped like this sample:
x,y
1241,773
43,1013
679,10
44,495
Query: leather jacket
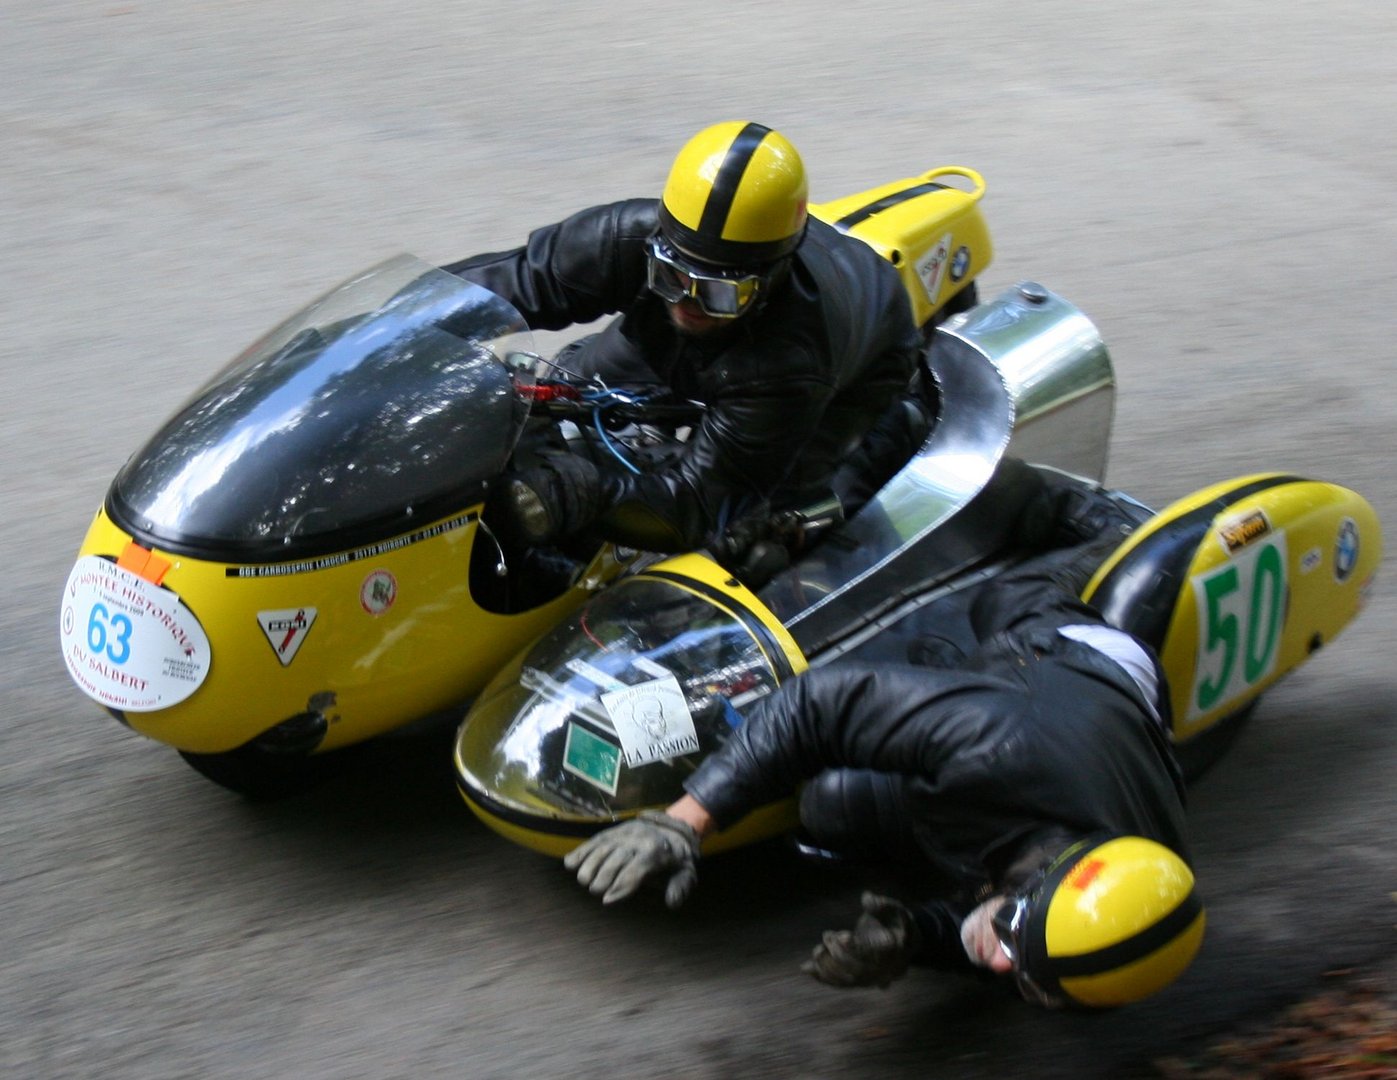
x,y
1037,738
790,388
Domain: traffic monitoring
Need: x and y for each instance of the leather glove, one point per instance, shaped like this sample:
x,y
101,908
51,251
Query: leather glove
x,y
614,862
874,953
552,500
751,550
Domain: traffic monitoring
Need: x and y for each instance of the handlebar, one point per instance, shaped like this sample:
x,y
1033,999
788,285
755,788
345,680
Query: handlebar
x,y
613,407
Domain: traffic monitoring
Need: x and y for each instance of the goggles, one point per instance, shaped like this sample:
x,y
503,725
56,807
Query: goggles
x,y
1010,922
722,294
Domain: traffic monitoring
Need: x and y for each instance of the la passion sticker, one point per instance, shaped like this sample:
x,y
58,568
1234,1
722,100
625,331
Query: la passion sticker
x,y
128,643
653,721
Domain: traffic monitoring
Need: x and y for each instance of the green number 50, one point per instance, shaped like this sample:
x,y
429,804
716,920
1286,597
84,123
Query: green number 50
x,y
1263,615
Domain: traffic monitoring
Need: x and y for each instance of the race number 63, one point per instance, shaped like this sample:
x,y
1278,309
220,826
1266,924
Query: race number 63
x,y
1241,610
109,634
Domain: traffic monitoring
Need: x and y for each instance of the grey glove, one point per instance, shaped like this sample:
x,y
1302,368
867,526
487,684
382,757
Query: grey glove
x,y
874,953
614,862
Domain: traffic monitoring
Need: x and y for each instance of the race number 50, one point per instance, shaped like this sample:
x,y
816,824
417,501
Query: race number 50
x,y
1241,610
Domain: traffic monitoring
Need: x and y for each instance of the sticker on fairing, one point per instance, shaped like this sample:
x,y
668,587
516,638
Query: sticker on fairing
x,y
127,642
593,674
596,760
1236,533
1241,613
960,263
1346,550
285,629
378,592
653,721
932,266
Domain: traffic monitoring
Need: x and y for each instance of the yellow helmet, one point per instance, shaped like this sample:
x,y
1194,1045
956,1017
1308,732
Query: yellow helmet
x,y
735,197
1108,922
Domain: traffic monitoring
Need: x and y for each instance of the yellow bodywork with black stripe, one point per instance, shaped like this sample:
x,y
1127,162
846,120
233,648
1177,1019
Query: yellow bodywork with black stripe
x,y
1238,584
395,635
930,227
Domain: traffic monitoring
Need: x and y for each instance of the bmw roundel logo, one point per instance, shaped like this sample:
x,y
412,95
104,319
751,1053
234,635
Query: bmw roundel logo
x,y
1346,550
960,263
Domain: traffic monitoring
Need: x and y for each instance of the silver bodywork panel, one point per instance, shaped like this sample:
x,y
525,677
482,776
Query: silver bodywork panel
x,y
1024,378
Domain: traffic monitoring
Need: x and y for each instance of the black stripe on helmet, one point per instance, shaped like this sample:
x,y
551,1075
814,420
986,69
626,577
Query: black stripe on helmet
x,y
729,179
1133,948
887,202
706,249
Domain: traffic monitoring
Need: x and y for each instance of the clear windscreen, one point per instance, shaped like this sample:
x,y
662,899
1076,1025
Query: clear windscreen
x,y
610,711
386,400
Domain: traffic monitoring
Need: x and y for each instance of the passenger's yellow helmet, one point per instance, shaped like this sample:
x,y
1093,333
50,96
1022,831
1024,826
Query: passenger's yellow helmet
x,y
1110,921
735,197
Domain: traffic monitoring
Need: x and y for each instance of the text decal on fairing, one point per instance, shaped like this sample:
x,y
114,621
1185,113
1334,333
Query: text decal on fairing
x,y
372,551
653,721
1241,611
127,642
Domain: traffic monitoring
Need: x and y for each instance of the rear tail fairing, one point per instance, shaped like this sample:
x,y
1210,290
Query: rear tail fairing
x,y
1238,584
930,227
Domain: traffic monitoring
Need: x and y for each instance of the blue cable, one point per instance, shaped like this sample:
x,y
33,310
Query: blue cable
x,y
607,442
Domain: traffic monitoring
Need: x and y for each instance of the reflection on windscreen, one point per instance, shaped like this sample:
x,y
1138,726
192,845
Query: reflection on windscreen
x,y
387,397
613,708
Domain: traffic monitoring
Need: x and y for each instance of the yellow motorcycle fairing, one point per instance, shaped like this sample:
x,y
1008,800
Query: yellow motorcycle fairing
x,y
1240,583
929,227
606,714
390,630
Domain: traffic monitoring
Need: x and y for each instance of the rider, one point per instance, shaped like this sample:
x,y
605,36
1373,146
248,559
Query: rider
x,y
795,336
1031,790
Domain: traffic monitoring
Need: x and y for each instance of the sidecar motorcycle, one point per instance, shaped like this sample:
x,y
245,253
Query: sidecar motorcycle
x,y
299,559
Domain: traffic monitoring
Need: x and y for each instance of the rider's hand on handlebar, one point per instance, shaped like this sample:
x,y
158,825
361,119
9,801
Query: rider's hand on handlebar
x,y
614,863
559,497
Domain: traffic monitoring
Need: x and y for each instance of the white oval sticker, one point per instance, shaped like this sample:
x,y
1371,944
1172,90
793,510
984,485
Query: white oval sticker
x,y
129,643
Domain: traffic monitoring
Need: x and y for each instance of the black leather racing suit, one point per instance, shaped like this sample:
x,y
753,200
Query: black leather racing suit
x,y
790,389
980,773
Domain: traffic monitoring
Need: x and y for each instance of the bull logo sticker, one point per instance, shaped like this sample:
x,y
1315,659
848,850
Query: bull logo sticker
x,y
378,592
286,630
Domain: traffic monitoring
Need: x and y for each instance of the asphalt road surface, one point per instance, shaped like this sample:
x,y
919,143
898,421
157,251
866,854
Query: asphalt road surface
x,y
1212,183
